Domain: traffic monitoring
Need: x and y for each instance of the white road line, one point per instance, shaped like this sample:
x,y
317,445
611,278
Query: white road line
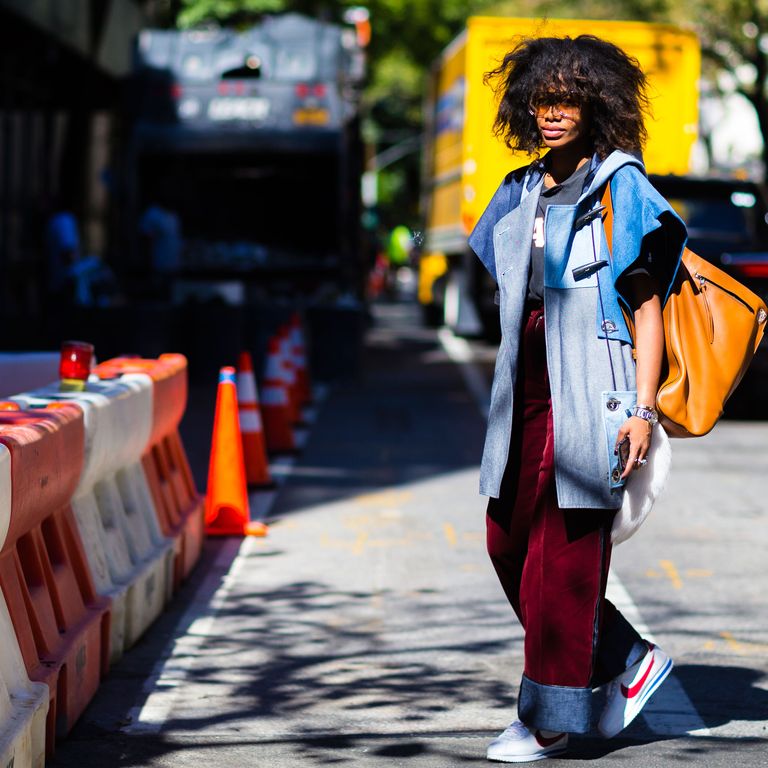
x,y
166,683
670,712
460,352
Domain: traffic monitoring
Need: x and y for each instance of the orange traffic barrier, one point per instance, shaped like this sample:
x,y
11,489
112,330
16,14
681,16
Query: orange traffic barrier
x,y
251,426
304,384
23,703
227,512
276,404
131,562
62,625
178,504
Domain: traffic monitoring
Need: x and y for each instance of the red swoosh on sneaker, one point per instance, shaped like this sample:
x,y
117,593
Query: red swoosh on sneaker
x,y
630,693
546,742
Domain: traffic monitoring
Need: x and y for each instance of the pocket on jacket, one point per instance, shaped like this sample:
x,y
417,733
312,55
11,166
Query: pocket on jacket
x,y
614,405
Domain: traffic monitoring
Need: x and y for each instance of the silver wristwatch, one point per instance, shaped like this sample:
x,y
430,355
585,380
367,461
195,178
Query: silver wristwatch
x,y
646,413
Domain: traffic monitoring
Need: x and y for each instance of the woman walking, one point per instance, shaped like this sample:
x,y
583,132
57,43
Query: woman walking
x,y
572,408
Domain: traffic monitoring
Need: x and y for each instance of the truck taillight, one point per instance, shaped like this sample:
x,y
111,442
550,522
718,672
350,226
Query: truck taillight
x,y
752,270
176,91
304,90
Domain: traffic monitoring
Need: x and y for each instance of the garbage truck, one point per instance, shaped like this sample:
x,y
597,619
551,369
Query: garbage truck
x,y
464,163
248,141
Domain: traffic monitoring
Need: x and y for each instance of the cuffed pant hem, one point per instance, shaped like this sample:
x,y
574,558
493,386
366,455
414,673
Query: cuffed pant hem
x,y
555,707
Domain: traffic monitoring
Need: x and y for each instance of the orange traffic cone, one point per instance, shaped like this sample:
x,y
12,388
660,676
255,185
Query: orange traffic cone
x,y
226,505
288,372
251,430
276,404
304,384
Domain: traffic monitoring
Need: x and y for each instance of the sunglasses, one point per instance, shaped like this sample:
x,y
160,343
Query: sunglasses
x,y
561,104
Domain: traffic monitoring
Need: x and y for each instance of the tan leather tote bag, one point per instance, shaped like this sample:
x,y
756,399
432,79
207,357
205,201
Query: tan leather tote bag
x,y
712,328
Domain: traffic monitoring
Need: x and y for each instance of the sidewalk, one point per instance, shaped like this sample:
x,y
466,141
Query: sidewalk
x,y
368,625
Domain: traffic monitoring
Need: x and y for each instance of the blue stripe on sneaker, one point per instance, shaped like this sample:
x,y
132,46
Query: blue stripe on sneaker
x,y
661,676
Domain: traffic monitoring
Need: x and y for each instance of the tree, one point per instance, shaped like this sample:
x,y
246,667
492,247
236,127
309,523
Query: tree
x,y
734,37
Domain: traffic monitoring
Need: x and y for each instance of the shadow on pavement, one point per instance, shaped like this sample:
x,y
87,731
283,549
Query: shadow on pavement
x,y
724,694
407,416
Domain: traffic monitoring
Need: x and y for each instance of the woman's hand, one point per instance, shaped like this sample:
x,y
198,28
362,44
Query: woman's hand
x,y
649,349
638,432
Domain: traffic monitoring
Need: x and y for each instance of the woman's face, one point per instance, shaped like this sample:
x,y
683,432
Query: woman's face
x,y
562,122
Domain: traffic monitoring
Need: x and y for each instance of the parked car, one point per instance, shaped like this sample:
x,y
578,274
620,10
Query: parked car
x,y
727,222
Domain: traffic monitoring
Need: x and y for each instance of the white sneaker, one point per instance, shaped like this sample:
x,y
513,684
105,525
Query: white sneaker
x,y
630,691
519,744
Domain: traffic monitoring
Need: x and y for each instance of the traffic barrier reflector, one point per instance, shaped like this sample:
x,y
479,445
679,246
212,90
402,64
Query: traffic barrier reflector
x,y
299,348
227,512
251,425
130,560
23,704
276,405
61,623
178,504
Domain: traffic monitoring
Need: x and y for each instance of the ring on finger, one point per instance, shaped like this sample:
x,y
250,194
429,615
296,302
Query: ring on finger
x,y
641,462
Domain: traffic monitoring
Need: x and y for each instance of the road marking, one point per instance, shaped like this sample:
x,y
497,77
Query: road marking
x,y
670,712
450,534
698,573
359,546
743,647
460,352
167,682
671,573
388,499
732,642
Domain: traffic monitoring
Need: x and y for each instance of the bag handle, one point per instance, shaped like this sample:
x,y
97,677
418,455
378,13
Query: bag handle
x,y
607,204
596,268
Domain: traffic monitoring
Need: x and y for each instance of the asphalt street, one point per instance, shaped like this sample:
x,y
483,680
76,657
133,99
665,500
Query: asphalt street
x,y
369,626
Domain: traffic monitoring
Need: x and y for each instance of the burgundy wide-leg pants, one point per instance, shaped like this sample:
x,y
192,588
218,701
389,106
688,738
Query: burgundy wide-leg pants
x,y
553,564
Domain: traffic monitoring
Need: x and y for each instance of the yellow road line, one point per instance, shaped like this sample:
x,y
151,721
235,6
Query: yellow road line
x,y
743,647
383,498
671,573
450,534
359,545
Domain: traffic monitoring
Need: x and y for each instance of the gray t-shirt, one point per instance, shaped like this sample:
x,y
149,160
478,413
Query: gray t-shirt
x,y
566,193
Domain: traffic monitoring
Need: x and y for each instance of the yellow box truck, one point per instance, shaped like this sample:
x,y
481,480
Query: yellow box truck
x,y
464,163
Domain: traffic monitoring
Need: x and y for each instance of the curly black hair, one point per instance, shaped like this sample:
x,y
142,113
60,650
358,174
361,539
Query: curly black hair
x,y
592,71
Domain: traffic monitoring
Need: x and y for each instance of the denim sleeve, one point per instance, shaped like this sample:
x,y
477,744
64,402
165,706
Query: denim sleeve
x,y
647,233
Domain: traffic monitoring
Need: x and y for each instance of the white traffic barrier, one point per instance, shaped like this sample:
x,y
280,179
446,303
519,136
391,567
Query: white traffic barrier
x,y
22,371
23,704
130,560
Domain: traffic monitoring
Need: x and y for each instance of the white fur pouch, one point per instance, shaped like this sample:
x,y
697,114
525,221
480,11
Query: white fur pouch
x,y
643,488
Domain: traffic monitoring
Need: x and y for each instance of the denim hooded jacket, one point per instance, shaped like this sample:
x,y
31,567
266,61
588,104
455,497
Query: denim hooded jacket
x,y
589,348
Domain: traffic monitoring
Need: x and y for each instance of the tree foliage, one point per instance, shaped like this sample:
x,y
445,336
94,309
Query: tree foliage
x,y
734,37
